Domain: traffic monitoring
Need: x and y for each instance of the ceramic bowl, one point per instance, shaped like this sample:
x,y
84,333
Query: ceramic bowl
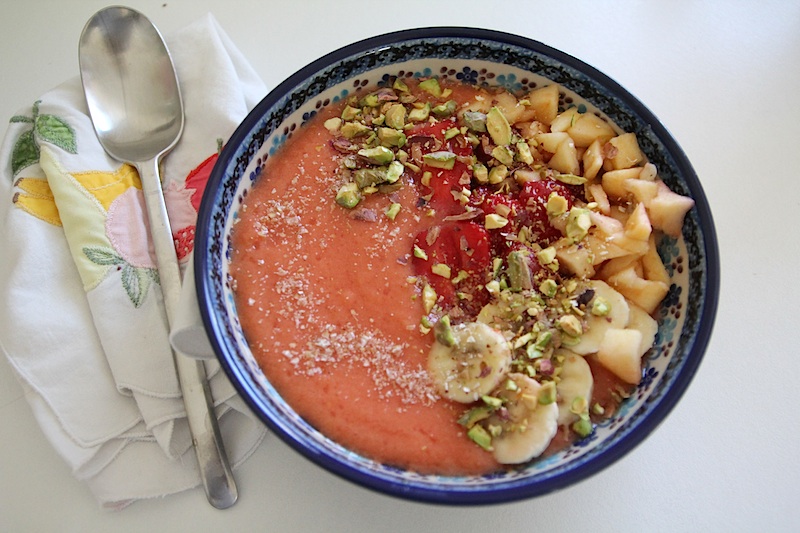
x,y
480,57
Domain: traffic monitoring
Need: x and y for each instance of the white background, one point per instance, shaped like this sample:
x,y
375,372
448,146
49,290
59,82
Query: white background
x,y
724,77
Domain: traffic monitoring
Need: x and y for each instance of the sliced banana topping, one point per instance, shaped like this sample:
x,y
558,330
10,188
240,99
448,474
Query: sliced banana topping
x,y
607,309
469,362
524,426
574,386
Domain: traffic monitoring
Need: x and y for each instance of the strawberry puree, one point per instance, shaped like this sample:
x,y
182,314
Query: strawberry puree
x,y
329,313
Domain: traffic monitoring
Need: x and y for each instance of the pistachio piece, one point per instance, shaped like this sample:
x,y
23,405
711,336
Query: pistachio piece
x,y
475,415
431,86
548,287
556,205
444,332
392,211
498,174
569,179
518,270
440,269
495,221
350,113
333,124
546,255
400,85
380,155
570,325
524,153
480,172
498,127
503,154
429,298
419,253
480,436
547,393
420,114
348,195
600,306
395,116
354,129
474,121
578,223
446,109
442,159
391,137
394,171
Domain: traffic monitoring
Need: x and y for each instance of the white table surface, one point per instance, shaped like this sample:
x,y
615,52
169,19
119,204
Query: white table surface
x,y
724,77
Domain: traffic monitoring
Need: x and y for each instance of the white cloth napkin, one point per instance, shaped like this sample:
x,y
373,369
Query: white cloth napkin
x,y
81,314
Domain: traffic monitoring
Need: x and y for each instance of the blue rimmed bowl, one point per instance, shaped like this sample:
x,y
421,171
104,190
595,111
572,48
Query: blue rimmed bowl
x,y
480,57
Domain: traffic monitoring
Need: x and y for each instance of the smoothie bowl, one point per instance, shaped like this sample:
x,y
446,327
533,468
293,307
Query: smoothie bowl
x,y
456,266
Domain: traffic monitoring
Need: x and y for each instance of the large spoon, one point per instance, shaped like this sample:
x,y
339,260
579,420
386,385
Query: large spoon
x,y
135,104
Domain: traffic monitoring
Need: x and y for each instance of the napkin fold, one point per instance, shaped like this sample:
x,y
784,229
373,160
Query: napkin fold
x,y
82,321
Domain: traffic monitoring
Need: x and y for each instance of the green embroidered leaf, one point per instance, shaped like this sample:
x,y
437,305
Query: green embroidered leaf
x,y
55,130
25,152
153,274
21,118
136,282
103,256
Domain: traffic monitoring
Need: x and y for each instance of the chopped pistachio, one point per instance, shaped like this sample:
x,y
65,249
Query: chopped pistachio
x,y
429,298
444,332
442,159
492,401
431,86
495,221
524,153
498,127
452,132
570,179
543,339
333,124
503,154
354,129
392,211
400,85
440,269
547,393
480,172
379,155
391,137
578,223
583,427
598,409
350,113
546,255
394,171
480,436
461,276
475,415
420,114
570,325
498,174
474,121
370,100
446,109
396,116
348,195
548,287
519,272
600,306
556,205
493,287
419,253
426,178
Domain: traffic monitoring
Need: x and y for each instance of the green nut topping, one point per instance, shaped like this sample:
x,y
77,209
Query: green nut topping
x,y
446,109
556,205
392,211
548,287
348,195
391,137
583,427
474,121
600,306
444,332
350,113
429,298
498,174
442,159
420,114
354,129
524,153
480,172
578,223
475,415
431,86
498,127
570,325
546,255
480,436
518,270
547,394
395,116
503,154
380,155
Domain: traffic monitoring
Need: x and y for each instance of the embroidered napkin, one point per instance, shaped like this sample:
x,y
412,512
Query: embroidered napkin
x,y
81,313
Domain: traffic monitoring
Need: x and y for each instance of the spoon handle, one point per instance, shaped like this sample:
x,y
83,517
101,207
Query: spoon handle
x,y
215,470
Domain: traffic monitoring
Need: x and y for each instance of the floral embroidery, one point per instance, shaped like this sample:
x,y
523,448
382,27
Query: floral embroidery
x,y
135,280
47,128
37,199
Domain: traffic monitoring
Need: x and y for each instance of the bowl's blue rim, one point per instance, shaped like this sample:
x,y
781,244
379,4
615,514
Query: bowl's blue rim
x,y
514,490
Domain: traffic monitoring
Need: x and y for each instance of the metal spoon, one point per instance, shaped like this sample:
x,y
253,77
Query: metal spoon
x,y
135,104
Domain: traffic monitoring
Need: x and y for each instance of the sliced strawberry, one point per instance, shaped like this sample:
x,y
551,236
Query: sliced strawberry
x,y
461,246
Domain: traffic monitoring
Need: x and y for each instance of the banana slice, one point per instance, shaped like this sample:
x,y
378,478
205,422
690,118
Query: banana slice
x,y
474,365
576,382
617,316
526,426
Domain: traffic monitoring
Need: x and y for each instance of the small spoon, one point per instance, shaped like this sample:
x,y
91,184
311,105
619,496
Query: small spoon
x,y
136,107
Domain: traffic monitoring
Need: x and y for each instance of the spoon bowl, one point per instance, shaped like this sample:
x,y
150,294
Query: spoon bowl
x,y
135,104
